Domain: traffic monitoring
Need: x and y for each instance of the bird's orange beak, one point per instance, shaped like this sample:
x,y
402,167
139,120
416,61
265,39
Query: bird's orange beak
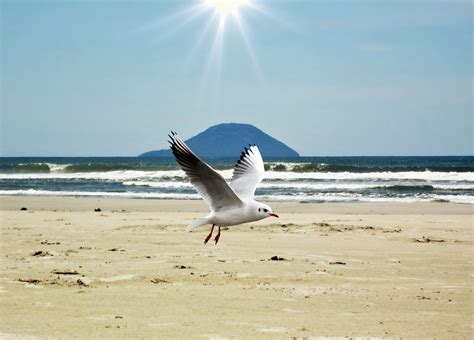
x,y
274,215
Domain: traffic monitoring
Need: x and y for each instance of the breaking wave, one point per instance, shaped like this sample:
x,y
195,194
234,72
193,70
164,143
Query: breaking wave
x,y
317,179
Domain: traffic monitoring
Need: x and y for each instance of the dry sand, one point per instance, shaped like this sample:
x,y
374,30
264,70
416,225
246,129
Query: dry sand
x,y
131,270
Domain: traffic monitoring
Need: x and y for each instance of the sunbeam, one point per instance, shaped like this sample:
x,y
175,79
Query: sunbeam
x,y
200,39
171,19
221,14
210,84
181,23
249,48
214,59
266,12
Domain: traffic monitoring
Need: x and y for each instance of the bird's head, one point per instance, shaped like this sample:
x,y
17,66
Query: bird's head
x,y
264,211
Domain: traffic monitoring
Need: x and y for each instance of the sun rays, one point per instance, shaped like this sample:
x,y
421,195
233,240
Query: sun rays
x,y
212,18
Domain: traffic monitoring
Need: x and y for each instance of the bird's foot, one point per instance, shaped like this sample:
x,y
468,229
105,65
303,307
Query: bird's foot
x,y
209,236
218,235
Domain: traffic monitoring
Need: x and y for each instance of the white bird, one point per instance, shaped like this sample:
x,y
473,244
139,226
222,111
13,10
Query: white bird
x,y
229,204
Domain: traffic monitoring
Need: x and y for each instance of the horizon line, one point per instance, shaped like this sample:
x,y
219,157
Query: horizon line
x,y
301,156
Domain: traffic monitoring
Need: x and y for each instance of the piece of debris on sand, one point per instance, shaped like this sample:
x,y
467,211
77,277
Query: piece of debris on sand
x,y
158,280
30,281
50,243
180,266
276,258
83,282
65,272
41,253
428,240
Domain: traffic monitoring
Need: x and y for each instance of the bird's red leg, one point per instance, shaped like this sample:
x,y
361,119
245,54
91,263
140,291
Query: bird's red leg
x,y
210,234
218,235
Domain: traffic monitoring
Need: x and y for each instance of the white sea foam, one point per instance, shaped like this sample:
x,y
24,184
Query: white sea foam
x,y
128,175
341,185
161,184
318,197
334,185
122,175
409,175
33,192
464,199
54,167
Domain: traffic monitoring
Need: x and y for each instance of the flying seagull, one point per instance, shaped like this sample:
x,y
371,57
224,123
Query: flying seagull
x,y
229,204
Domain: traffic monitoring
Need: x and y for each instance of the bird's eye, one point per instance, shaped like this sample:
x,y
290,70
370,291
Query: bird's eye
x,y
265,210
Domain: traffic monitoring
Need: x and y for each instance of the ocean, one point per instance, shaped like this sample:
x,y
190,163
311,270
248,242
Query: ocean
x,y
305,179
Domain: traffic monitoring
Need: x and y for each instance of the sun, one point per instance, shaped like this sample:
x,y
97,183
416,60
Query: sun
x,y
226,7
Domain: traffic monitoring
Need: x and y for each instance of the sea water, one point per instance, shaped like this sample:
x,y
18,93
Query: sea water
x,y
304,179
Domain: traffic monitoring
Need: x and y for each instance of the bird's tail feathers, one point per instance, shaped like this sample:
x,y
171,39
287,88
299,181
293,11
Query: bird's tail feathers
x,y
197,223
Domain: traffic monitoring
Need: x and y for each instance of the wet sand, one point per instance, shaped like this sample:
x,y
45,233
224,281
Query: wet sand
x,y
131,270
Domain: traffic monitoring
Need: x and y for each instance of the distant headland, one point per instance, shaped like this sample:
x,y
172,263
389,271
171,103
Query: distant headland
x,y
228,140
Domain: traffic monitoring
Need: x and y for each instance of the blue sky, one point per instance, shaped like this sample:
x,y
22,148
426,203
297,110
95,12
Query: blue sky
x,y
111,78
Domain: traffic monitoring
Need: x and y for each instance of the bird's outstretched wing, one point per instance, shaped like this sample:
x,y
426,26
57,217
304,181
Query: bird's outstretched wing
x,y
209,184
248,173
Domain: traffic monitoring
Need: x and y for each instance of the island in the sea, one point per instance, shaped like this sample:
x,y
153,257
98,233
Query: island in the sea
x,y
228,140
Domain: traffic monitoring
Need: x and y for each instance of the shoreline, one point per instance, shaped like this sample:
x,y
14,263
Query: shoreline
x,y
131,270
12,202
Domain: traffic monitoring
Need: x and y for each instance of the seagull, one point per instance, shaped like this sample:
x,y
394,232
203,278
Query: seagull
x,y
229,204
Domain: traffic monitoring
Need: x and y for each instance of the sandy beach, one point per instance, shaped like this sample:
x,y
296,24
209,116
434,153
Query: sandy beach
x,y
132,271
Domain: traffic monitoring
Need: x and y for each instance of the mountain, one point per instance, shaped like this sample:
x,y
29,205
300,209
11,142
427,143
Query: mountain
x,y
228,140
